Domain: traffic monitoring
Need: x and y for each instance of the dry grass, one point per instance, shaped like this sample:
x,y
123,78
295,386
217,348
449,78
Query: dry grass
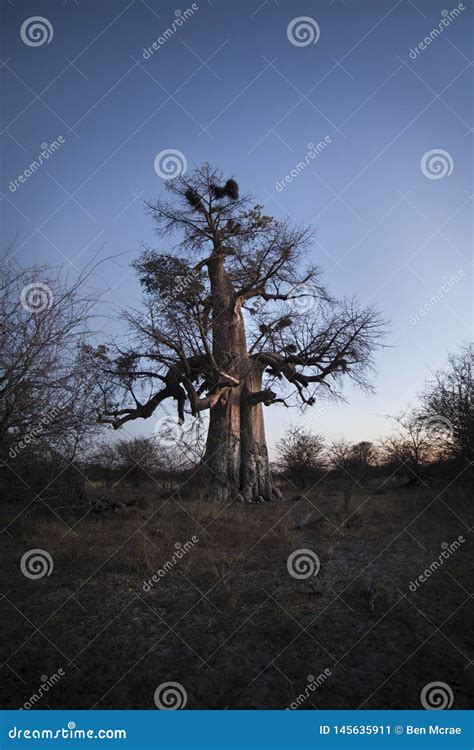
x,y
227,620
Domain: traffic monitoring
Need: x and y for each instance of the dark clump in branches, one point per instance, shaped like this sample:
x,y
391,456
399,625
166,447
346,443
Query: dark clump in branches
x,y
229,190
194,199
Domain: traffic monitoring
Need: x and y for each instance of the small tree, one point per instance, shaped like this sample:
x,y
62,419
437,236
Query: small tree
x,y
363,456
447,405
301,454
47,390
103,457
411,445
350,462
137,459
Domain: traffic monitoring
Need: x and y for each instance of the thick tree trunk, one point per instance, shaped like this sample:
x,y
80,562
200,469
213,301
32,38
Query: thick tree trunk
x,y
255,476
235,463
236,459
221,462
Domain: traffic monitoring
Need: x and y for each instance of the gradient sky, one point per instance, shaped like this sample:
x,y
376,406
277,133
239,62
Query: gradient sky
x,y
230,88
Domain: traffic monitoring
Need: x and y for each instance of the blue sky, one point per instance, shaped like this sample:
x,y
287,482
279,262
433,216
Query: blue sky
x,y
229,87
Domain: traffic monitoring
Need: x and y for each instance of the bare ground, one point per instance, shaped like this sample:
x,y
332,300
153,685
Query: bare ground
x,y
227,620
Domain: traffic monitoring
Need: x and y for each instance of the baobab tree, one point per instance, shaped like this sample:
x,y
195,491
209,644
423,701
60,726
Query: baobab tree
x,y
233,321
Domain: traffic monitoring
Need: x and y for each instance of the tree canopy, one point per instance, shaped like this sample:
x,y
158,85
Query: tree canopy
x,y
223,250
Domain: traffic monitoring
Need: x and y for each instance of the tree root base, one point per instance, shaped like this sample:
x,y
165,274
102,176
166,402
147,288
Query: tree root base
x,y
208,486
225,495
